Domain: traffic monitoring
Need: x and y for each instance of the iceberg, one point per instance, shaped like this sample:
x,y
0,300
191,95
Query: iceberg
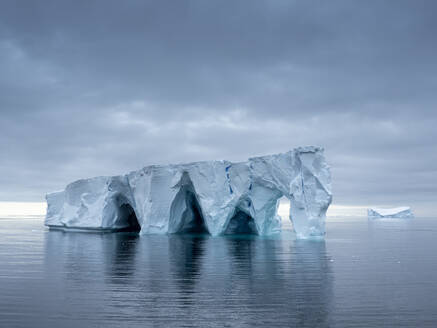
x,y
397,212
217,197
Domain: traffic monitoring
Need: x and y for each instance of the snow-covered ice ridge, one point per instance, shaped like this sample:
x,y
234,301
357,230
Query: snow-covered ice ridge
x,y
219,197
397,212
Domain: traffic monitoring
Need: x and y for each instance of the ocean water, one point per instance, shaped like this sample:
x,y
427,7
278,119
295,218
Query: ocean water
x,y
365,274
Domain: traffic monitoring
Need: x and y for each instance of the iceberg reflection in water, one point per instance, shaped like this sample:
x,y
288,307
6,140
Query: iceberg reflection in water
x,y
185,279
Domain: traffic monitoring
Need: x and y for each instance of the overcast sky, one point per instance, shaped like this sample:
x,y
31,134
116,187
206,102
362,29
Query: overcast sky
x,y
104,87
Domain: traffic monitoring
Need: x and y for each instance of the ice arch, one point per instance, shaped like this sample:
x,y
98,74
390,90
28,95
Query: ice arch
x,y
283,212
211,195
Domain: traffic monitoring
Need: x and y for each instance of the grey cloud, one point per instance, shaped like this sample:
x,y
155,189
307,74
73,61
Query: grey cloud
x,y
103,87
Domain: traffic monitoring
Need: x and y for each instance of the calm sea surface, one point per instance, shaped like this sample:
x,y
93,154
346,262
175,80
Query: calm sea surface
x,y
365,274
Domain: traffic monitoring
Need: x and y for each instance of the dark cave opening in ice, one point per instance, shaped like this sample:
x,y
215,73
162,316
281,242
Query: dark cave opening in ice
x,y
192,220
128,219
241,223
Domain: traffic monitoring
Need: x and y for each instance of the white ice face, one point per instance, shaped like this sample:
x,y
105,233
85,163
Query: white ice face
x,y
218,197
396,212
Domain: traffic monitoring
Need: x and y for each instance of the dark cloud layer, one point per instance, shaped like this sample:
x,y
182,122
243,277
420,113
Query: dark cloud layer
x,y
102,87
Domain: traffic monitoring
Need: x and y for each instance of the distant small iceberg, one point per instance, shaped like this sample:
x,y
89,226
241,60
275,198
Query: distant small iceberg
x,y
395,213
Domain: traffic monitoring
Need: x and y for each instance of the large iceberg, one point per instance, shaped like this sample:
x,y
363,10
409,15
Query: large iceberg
x,y
218,197
397,212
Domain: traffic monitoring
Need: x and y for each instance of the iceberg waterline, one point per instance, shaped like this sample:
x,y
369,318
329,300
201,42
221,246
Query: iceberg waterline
x,y
218,197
